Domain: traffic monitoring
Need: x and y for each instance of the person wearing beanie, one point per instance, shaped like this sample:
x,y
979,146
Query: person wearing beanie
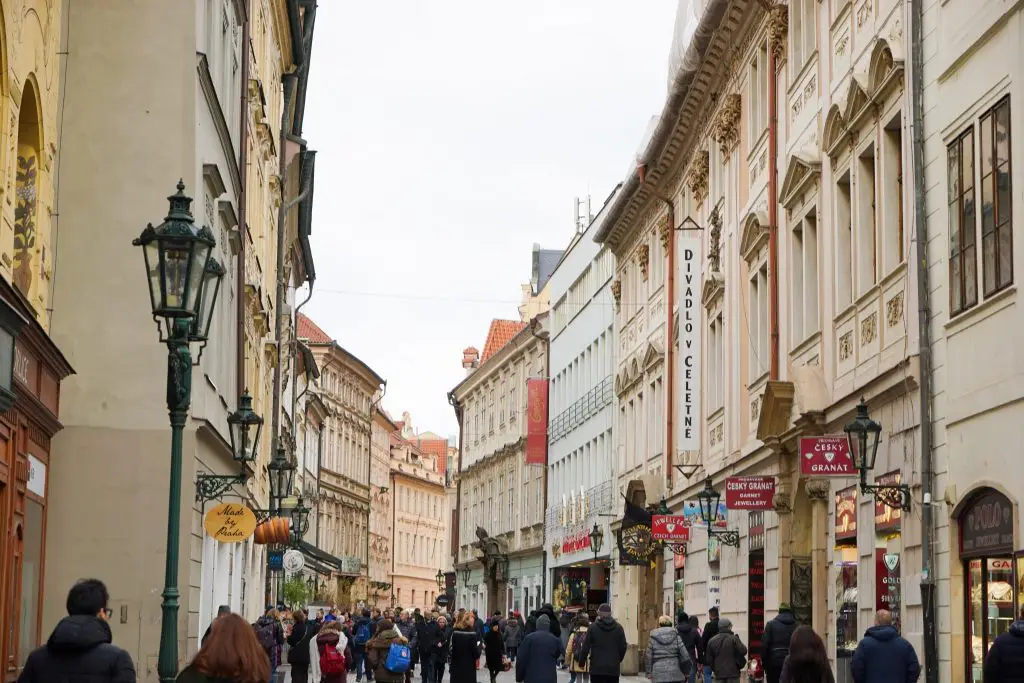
x,y
538,655
687,630
709,632
775,642
726,654
605,647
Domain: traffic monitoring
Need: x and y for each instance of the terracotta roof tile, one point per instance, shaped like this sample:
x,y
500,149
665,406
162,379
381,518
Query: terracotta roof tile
x,y
501,333
311,331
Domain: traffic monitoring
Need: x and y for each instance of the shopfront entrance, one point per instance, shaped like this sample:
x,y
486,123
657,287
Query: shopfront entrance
x,y
992,572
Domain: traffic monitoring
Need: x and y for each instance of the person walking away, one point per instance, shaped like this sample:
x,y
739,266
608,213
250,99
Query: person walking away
x,y
478,624
440,658
605,647
494,649
303,631
710,631
549,611
726,654
407,627
531,623
1004,662
79,650
667,659
362,632
231,652
538,654
513,634
270,635
221,611
427,641
579,669
775,642
687,630
329,655
388,653
565,629
464,650
883,656
807,661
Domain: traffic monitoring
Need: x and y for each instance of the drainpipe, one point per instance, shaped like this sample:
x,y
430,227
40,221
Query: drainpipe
x,y
931,654
369,472
457,526
243,230
773,197
295,352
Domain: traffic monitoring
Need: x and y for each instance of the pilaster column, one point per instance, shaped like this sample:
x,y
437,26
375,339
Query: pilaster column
x,y
818,492
784,510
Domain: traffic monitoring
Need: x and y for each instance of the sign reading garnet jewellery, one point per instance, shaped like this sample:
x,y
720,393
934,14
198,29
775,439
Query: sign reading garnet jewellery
x,y
536,421
749,493
670,528
688,437
826,456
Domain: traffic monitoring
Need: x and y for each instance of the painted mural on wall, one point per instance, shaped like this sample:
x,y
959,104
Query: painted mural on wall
x,y
26,176
570,589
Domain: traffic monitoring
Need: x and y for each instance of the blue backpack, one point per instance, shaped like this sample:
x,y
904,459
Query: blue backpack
x,y
363,633
398,658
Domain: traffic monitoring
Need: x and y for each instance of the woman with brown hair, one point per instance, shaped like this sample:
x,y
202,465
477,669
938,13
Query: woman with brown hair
x,y
807,661
303,631
464,649
230,653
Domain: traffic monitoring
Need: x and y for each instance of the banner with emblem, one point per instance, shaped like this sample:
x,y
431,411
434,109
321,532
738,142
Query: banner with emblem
x,y
634,538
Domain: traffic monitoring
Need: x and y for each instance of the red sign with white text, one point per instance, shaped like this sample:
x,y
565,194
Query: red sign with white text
x,y
536,422
826,456
670,528
574,544
749,493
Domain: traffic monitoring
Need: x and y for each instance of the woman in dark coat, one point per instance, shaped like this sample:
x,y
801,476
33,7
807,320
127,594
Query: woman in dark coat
x,y
464,649
494,649
538,655
807,661
303,631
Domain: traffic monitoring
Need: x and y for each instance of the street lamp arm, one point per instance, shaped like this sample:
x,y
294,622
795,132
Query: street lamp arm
x,y
729,537
896,497
212,486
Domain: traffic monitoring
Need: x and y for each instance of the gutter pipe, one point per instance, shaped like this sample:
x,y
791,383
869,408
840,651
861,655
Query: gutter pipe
x,y
773,197
243,228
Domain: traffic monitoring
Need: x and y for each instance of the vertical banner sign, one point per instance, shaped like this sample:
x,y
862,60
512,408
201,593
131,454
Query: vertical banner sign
x,y
536,422
755,598
688,436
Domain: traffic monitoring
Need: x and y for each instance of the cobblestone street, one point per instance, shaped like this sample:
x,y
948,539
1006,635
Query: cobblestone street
x,y
482,677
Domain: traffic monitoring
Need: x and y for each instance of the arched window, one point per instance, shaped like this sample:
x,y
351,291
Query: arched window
x,y
27,190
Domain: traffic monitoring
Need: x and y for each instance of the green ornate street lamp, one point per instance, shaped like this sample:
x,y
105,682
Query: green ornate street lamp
x,y
244,428
864,434
300,521
709,500
439,577
282,478
183,289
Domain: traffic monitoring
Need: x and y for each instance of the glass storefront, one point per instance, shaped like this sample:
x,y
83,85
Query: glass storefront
x,y
846,561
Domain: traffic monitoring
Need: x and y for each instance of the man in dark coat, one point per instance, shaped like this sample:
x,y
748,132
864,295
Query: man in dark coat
x,y
221,611
427,636
687,630
710,631
538,655
531,623
605,646
775,642
549,611
79,649
1004,662
883,656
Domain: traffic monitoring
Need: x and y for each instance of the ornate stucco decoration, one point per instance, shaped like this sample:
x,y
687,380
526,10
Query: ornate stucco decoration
x,y
697,178
617,292
714,260
643,259
664,229
725,129
778,28
817,489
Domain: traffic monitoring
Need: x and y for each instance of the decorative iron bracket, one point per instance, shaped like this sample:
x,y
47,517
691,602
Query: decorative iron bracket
x,y
262,515
895,497
212,486
728,537
676,548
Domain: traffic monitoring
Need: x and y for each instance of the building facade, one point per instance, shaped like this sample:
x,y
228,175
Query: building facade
x,y
420,523
582,447
972,128
382,510
789,255
351,391
501,497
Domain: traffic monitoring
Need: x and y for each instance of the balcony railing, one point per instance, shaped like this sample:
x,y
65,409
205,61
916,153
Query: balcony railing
x,y
583,409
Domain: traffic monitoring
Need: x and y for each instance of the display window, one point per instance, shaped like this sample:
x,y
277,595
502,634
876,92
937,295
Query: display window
x,y
846,561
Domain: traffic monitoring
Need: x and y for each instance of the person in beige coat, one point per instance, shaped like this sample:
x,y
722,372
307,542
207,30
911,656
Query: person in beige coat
x,y
577,671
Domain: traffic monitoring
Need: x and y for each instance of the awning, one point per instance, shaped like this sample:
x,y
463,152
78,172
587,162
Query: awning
x,y
311,551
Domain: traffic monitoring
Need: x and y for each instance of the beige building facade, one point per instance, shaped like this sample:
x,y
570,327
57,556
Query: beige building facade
x,y
791,301
381,510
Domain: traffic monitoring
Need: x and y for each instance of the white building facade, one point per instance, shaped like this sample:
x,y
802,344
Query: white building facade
x,y
581,444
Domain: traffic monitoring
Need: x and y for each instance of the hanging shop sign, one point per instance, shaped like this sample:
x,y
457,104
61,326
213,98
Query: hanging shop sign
x,y
275,560
986,526
755,530
536,421
691,511
671,528
887,519
443,600
230,523
690,327
846,515
575,543
714,590
273,531
887,582
750,493
634,537
826,456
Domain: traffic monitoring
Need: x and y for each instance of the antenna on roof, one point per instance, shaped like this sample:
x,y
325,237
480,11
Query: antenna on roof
x,y
582,214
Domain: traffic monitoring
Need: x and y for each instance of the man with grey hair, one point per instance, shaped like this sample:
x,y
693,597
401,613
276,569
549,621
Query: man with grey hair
x,y
726,654
883,656
407,627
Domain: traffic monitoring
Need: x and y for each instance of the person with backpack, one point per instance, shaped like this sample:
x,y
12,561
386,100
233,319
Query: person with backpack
x,y
329,655
688,631
270,635
726,654
605,647
303,631
775,642
710,631
362,633
388,654
407,627
575,651
667,659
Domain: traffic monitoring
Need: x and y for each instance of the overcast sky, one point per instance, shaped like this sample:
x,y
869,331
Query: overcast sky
x,y
451,136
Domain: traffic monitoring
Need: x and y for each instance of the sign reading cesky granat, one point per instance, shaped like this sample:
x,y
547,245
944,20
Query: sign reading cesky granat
x,y
230,523
826,456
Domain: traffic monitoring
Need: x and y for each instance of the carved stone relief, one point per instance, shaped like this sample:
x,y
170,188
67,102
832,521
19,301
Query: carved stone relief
x,y
894,310
778,28
868,329
725,129
617,292
845,346
698,176
643,259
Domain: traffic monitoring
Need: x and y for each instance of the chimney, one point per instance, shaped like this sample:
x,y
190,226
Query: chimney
x,y
470,360
535,269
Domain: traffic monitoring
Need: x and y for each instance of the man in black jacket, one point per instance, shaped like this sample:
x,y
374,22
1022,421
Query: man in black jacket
x,y
710,631
221,611
549,612
775,642
605,646
79,649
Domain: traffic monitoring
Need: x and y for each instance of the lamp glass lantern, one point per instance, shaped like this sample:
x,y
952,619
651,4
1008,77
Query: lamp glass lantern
x,y
282,473
709,499
244,427
300,519
465,572
213,274
439,577
864,436
176,254
596,539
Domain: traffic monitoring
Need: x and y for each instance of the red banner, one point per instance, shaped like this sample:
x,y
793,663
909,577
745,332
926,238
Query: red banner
x,y
574,544
670,528
826,456
749,493
886,518
846,515
536,422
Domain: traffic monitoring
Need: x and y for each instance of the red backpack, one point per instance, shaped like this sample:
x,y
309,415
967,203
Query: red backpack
x,y
332,661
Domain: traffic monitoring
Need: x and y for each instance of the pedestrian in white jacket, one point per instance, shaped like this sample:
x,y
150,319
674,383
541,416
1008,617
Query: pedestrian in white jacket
x,y
314,654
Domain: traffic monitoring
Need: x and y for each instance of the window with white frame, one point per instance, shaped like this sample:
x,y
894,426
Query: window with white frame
x,y
757,318
757,95
843,208
804,277
803,29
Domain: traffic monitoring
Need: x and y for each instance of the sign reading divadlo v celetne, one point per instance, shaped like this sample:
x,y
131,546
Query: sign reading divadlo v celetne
x,y
688,437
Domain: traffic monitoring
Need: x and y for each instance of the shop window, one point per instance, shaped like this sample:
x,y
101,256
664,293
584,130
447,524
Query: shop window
x,y
30,586
846,561
888,580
